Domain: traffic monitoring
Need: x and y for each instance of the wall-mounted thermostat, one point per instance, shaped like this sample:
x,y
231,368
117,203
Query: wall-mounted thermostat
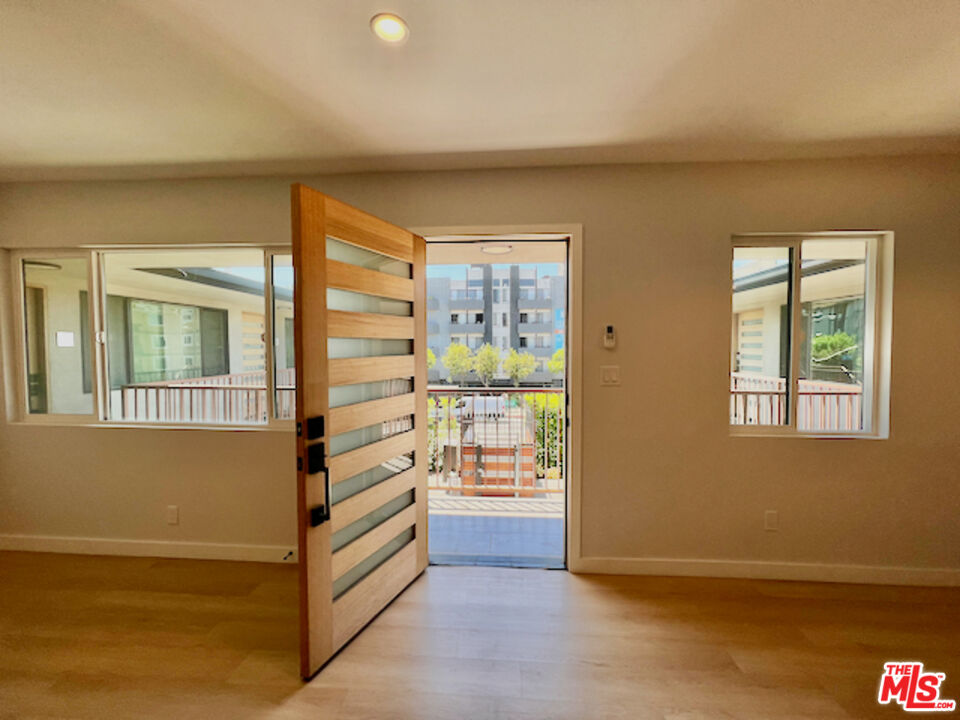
x,y
609,337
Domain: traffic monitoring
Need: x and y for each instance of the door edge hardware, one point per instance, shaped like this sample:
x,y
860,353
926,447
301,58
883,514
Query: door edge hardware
x,y
319,515
315,427
316,459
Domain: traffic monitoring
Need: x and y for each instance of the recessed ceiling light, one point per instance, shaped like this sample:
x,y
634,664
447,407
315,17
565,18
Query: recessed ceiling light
x,y
496,249
389,27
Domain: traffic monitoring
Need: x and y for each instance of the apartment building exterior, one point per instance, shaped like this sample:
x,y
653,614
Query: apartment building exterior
x,y
506,306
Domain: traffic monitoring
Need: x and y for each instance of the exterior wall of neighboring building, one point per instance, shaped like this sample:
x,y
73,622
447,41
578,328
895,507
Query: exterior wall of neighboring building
x,y
520,309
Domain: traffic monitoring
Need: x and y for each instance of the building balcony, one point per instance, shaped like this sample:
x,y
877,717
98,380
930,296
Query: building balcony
x,y
235,399
466,303
541,302
535,327
241,398
822,406
466,328
540,352
496,475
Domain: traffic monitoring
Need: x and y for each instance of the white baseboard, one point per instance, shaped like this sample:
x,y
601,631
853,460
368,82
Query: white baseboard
x,y
761,570
149,548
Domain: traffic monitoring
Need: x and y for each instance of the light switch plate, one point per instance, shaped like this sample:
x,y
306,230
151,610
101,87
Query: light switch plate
x,y
610,375
771,520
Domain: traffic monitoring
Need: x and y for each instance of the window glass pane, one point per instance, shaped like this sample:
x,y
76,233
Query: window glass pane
x,y
760,336
186,336
56,322
833,329
283,347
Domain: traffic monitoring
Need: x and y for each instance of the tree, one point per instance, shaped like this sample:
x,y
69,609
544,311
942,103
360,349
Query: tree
x,y
519,365
829,346
458,360
486,363
442,428
431,359
557,362
549,413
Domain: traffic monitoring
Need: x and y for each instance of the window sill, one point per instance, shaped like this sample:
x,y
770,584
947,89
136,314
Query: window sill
x,y
284,427
758,432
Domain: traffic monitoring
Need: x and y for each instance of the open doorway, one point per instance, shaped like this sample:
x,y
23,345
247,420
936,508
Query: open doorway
x,y
497,333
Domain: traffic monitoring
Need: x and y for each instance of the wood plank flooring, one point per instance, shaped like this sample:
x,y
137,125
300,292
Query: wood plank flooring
x,y
107,637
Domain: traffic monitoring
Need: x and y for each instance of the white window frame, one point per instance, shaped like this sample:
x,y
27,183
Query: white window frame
x,y
96,288
878,314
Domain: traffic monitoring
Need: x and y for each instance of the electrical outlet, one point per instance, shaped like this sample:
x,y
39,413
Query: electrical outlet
x,y
771,521
173,515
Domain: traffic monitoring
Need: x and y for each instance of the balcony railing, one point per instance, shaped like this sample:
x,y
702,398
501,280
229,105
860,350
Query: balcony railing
x,y
535,326
498,443
821,405
510,426
234,399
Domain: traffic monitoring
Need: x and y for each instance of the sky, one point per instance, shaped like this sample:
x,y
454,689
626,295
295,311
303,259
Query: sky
x,y
459,272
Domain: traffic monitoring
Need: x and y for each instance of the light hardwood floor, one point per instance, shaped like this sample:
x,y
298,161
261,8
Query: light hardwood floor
x,y
110,638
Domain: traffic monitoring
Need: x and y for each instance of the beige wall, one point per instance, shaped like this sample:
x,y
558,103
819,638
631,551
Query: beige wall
x,y
664,484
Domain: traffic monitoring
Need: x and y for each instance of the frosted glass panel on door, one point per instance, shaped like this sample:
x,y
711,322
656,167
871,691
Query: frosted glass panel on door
x,y
346,253
358,573
338,348
369,521
362,392
358,302
345,442
358,483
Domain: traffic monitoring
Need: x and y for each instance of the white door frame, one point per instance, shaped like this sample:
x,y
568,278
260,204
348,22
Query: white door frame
x,y
574,353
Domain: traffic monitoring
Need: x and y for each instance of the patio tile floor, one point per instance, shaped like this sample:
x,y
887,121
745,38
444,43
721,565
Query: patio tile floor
x,y
516,532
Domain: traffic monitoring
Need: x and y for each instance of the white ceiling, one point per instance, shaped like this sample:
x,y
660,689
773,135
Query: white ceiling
x,y
463,252
152,88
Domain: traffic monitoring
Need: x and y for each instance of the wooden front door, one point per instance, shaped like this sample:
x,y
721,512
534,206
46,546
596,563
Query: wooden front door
x,y
361,399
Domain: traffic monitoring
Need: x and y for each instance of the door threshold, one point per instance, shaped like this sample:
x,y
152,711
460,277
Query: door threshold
x,y
508,561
